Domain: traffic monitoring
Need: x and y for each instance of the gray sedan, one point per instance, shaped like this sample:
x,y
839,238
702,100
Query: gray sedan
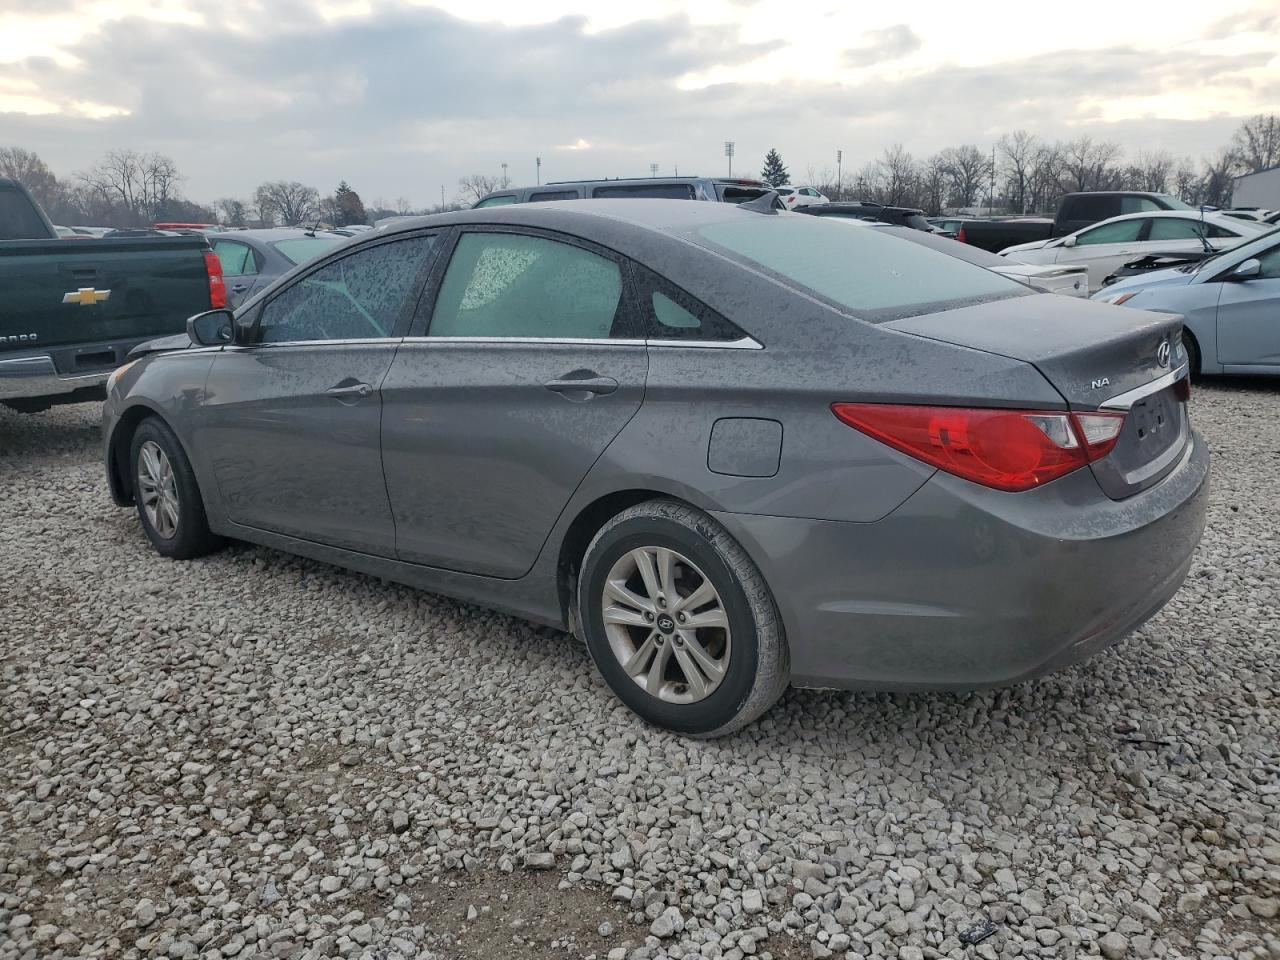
x,y
729,448
253,259
1230,304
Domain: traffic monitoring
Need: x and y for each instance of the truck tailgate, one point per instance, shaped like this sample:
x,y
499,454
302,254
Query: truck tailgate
x,y
58,292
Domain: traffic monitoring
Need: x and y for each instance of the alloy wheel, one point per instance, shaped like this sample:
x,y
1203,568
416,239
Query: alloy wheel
x,y
158,489
666,624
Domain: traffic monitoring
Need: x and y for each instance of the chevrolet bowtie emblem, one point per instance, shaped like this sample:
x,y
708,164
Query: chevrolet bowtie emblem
x,y
86,296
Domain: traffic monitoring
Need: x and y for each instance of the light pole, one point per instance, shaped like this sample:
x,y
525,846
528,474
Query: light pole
x,y
728,152
653,169
839,174
505,180
538,164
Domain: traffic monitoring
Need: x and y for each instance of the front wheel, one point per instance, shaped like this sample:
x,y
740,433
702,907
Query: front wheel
x,y
679,621
167,495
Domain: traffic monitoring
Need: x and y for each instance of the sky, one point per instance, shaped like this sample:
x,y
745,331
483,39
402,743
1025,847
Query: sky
x,y
402,99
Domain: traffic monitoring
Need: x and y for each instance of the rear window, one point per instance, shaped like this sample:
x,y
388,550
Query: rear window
x,y
732,194
302,249
496,201
872,276
660,191
916,221
18,219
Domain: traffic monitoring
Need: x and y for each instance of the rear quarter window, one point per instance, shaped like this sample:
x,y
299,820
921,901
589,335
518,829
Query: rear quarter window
x,y
863,272
18,219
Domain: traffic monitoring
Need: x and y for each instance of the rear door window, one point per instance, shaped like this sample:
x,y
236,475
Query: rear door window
x,y
1090,208
668,313
1177,228
237,259
1138,205
18,218
512,285
661,191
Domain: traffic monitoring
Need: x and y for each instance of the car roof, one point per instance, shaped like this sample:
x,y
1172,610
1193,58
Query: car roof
x,y
663,216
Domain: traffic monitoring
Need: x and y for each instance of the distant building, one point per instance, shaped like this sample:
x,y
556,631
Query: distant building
x,y
1261,189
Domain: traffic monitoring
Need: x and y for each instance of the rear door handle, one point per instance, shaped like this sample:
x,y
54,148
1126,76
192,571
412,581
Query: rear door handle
x,y
582,387
240,288
352,391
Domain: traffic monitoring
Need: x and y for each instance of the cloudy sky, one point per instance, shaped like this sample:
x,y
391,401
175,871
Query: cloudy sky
x,y
403,98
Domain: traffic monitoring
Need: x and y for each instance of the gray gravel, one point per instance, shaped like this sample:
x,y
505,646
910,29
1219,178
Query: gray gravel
x,y
258,756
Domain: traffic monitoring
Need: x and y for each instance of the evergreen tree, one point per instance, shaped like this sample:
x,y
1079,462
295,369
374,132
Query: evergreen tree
x,y
347,206
774,172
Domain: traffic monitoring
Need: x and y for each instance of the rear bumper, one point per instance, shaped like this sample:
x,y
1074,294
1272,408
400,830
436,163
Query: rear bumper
x,y
35,377
963,587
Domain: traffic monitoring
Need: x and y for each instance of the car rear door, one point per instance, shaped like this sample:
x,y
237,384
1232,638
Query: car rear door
x,y
521,368
240,269
1249,317
290,421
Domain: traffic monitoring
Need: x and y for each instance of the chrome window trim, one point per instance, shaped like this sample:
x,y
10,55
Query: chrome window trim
x,y
1126,400
310,343
744,343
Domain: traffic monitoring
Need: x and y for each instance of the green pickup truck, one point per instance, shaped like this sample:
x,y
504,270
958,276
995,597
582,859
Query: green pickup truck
x,y
71,310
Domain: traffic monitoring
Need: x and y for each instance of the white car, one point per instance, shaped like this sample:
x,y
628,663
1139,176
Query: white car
x,y
794,197
1069,280
1105,247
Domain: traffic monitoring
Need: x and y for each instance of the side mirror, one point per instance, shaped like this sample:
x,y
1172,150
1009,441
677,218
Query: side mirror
x,y
1249,269
1069,242
213,328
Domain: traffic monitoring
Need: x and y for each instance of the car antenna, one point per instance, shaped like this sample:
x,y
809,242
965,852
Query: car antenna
x,y
1204,230
766,203
314,227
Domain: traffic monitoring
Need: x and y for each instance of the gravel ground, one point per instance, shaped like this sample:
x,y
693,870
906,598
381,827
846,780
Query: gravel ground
x,y
258,756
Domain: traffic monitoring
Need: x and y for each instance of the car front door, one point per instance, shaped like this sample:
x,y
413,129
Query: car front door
x,y
240,268
1249,317
291,418
511,385
1104,248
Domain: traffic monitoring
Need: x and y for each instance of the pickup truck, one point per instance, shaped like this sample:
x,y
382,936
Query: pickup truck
x,y
1075,212
71,312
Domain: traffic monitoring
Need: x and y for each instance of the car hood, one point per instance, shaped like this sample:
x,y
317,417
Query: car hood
x,y
1031,245
1172,277
178,341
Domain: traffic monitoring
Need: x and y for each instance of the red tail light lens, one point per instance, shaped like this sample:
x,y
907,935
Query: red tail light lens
x,y
1011,450
217,286
960,236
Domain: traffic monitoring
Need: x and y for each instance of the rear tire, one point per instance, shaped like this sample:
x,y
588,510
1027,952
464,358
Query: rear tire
x,y
724,662
167,495
1193,354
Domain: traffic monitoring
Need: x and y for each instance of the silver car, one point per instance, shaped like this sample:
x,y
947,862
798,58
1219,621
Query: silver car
x,y
729,448
1230,304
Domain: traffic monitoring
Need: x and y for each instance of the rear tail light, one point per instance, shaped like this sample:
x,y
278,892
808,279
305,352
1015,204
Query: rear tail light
x,y
1010,450
960,236
217,286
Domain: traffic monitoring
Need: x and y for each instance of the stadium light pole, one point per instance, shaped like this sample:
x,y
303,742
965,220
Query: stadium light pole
x,y
538,164
839,174
728,152
653,169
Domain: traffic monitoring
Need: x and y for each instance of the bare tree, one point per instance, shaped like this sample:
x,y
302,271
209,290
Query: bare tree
x,y
476,185
897,169
286,202
933,185
1219,176
1151,171
1044,183
1018,152
234,213
969,170
1257,143
136,186
1089,164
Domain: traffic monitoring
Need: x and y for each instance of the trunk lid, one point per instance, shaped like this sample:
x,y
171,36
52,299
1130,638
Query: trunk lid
x,y
1098,357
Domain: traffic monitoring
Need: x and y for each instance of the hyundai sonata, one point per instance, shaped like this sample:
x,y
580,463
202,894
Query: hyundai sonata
x,y
729,448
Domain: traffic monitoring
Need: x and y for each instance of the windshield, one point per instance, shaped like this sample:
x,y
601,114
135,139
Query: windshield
x,y
302,249
871,275
1244,251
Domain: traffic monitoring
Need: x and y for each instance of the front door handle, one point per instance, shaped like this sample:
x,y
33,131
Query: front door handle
x,y
240,288
351,391
582,385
